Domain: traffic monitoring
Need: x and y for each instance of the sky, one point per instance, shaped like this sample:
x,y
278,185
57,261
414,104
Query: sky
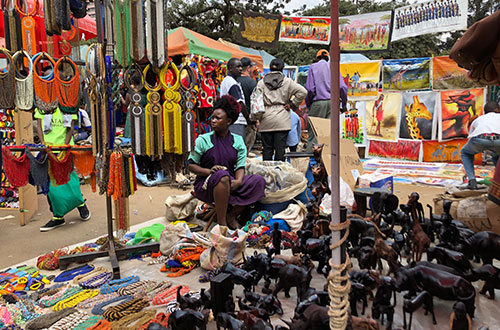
x,y
295,4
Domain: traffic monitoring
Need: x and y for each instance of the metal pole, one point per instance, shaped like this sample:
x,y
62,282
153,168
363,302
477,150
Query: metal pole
x,y
334,125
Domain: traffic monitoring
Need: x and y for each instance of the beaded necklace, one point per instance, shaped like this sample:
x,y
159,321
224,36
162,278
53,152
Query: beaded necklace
x,y
84,162
91,321
115,285
71,274
160,318
75,299
45,89
101,325
91,83
68,293
133,321
67,90
137,128
99,308
153,118
96,281
8,83
160,287
24,86
169,295
138,34
122,23
71,321
84,277
155,41
11,26
172,118
28,27
60,166
16,168
138,289
89,303
132,306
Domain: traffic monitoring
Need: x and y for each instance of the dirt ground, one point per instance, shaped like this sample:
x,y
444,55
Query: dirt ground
x,y
20,243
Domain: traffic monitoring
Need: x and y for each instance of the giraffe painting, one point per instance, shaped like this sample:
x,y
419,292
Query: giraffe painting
x,y
397,80
416,110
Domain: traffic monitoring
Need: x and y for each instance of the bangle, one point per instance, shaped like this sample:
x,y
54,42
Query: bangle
x,y
71,274
99,310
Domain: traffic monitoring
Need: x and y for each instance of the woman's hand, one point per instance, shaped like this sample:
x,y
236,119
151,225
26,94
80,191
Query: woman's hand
x,y
216,168
235,184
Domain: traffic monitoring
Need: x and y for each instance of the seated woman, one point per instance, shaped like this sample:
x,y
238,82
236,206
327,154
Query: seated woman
x,y
218,160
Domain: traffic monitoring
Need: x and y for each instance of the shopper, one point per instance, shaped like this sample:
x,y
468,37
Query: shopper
x,y
248,85
280,94
318,92
484,134
56,129
293,139
231,86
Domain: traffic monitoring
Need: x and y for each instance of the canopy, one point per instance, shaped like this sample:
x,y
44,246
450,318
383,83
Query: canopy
x,y
266,57
182,41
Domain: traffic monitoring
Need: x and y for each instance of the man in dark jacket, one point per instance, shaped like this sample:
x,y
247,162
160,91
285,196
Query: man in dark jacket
x,y
248,85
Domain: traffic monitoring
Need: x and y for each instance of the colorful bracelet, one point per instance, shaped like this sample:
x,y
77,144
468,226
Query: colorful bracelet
x,y
84,277
137,288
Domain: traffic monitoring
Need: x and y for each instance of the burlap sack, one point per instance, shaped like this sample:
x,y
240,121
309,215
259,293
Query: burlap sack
x,y
470,210
180,207
224,248
294,215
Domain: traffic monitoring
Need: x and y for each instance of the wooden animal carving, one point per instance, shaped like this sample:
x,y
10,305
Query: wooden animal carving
x,y
420,240
416,110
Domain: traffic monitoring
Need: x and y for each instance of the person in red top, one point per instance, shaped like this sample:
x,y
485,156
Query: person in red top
x,y
378,107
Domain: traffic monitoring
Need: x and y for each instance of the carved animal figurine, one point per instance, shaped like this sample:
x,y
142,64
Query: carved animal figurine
x,y
271,304
411,305
439,283
228,322
420,240
449,258
459,319
321,227
206,299
359,227
384,251
369,278
440,267
187,319
240,276
356,323
186,301
416,110
319,250
260,263
248,319
317,149
357,293
491,277
382,302
367,258
258,312
293,276
485,244
262,325
314,317
276,240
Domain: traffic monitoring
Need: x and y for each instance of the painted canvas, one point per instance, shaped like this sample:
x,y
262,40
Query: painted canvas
x,y
446,151
382,117
418,116
365,32
361,78
446,74
430,16
406,74
312,30
353,122
302,74
458,109
402,149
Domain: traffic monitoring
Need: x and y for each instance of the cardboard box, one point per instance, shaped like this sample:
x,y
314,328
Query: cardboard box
x,y
350,166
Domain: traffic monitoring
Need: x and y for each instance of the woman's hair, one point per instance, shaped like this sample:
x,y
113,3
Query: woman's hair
x,y
230,106
277,64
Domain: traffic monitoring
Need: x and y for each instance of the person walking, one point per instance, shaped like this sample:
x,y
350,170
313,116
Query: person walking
x,y
293,138
231,86
484,134
248,85
318,92
280,94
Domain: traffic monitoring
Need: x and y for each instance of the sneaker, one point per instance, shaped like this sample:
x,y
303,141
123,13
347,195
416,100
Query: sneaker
x,y
471,185
52,224
84,212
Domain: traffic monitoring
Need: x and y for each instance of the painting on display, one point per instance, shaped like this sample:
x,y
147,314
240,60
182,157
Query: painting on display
x,y
382,117
361,78
290,72
259,30
429,17
312,30
418,116
406,74
446,74
402,149
302,74
446,151
353,122
365,32
458,109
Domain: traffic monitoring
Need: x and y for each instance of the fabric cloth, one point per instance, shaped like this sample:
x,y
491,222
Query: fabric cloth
x,y
55,126
39,170
62,199
279,91
230,86
210,150
318,84
274,144
477,145
293,137
238,129
319,109
485,124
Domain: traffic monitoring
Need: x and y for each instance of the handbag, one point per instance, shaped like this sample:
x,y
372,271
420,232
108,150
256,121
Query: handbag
x,y
257,108
224,248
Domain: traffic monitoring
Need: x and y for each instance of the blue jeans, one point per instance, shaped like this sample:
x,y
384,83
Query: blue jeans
x,y
474,146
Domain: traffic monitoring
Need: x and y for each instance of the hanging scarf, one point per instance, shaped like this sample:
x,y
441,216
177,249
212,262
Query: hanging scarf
x,y
153,117
12,26
138,33
60,167
138,123
110,105
8,83
45,89
207,93
24,85
28,28
39,170
16,168
155,33
84,162
123,31
172,118
62,14
67,90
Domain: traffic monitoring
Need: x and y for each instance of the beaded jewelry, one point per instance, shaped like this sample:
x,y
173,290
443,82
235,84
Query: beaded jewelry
x,y
91,321
45,91
7,83
101,325
75,299
99,310
90,303
132,306
160,287
137,319
169,295
51,295
96,281
160,318
138,288
172,119
71,274
24,85
84,277
68,293
69,322
114,285
67,91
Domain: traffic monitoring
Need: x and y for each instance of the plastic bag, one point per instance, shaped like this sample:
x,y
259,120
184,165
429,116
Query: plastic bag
x,y
346,198
294,215
283,181
180,207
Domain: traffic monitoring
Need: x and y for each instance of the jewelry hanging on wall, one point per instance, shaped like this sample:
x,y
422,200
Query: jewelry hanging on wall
x,y
28,27
68,88
155,41
12,26
110,104
137,123
91,83
8,83
154,127
172,118
122,31
24,82
45,89
138,35
188,103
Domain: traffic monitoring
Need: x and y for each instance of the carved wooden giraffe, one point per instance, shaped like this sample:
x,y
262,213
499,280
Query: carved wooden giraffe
x,y
397,79
416,110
